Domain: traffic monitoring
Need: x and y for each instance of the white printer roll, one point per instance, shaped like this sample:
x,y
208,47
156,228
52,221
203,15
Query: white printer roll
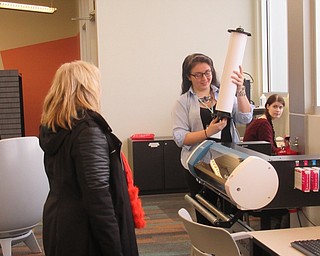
x,y
236,48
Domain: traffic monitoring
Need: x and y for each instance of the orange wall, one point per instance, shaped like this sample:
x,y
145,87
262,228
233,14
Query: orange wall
x,y
37,65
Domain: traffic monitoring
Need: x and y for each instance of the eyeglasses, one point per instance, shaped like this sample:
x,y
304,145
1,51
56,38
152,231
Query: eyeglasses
x,y
199,75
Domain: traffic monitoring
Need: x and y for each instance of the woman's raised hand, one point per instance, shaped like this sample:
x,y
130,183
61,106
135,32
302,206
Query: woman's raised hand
x,y
237,78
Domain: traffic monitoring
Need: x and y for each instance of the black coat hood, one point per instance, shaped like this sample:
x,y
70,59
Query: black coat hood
x,y
51,141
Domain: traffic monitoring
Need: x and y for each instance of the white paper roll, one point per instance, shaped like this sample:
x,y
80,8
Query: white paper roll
x,y
236,48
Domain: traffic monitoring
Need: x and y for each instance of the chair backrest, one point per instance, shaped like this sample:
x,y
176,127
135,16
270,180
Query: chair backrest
x,y
23,185
208,239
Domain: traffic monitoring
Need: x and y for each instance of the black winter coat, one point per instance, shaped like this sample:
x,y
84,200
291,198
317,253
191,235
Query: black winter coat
x,y
87,212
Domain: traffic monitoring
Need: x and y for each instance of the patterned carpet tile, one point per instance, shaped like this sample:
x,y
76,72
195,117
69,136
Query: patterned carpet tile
x,y
163,235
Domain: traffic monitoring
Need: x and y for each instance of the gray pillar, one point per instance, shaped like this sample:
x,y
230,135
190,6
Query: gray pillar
x,y
299,76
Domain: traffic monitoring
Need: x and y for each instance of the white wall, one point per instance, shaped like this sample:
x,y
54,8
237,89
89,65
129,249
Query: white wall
x,y
141,46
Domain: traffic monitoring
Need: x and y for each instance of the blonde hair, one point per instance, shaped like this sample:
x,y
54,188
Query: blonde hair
x,y
75,87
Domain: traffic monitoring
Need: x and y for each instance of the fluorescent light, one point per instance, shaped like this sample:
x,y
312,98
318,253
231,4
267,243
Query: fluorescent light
x,y
27,7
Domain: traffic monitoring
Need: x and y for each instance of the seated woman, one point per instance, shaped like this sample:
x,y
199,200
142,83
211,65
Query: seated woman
x,y
261,129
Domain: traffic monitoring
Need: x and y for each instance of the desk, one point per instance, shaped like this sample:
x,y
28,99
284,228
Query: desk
x,y
277,241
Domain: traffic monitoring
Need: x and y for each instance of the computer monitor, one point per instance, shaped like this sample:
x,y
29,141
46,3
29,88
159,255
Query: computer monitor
x,y
263,147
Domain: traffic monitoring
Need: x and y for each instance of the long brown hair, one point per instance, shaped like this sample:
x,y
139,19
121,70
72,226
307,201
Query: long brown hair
x,y
75,87
189,62
271,99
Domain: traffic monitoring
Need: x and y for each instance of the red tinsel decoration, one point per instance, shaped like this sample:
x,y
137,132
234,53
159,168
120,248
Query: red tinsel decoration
x,y
136,205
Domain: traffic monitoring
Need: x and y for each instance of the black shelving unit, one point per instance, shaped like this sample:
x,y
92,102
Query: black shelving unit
x,y
11,105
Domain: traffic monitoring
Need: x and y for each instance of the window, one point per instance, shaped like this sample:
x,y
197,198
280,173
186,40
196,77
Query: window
x,y
274,45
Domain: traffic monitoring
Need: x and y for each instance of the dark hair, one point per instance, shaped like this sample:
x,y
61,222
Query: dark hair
x,y
189,62
272,99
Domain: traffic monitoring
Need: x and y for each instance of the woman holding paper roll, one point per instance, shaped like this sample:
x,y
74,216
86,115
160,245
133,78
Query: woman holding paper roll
x,y
194,115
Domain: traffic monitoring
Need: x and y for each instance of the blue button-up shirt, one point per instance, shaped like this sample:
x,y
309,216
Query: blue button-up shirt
x,y
186,118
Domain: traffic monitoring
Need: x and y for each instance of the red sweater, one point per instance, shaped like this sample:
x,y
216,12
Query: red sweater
x,y
260,130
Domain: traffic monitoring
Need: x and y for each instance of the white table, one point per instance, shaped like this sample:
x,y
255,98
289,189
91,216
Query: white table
x,y
277,241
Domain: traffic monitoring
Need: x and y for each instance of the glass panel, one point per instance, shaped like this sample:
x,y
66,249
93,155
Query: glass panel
x,y
274,44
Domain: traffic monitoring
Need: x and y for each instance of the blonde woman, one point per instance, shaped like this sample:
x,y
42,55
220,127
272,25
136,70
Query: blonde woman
x,y
87,212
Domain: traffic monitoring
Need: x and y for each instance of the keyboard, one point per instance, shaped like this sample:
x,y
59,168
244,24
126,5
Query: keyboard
x,y
307,247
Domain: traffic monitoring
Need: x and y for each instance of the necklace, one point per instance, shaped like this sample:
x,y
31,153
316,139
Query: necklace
x,y
204,101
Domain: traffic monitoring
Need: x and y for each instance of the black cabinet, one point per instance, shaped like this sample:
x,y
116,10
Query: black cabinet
x,y
156,166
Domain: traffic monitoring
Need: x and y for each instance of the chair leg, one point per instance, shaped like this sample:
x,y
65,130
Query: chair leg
x,y
6,246
32,243
29,239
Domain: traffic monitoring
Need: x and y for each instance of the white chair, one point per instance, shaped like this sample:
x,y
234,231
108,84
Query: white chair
x,y
23,190
209,240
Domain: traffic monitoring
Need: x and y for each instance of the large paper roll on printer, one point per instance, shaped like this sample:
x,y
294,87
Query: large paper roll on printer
x,y
236,48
